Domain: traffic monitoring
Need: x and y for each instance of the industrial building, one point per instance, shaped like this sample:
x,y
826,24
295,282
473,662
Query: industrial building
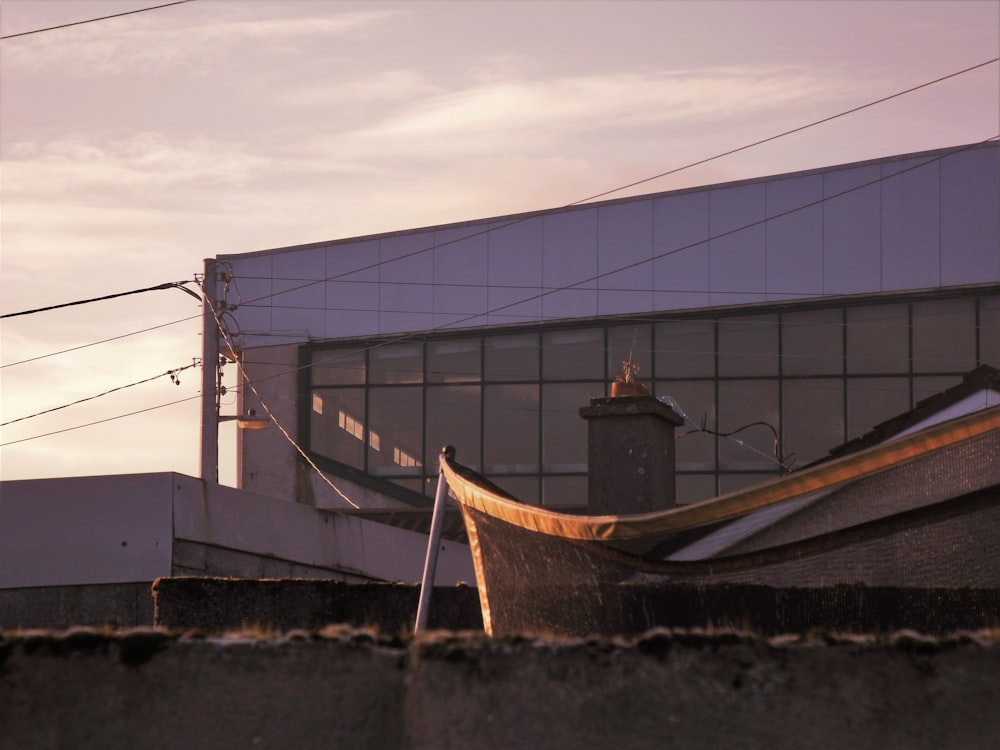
x,y
782,316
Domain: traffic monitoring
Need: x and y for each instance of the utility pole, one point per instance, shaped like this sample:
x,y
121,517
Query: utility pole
x,y
209,375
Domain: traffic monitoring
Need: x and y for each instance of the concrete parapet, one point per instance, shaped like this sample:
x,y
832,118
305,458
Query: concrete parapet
x,y
125,605
215,605
347,688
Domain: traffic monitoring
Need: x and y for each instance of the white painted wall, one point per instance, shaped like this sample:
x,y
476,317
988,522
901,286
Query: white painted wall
x,y
935,226
120,529
82,530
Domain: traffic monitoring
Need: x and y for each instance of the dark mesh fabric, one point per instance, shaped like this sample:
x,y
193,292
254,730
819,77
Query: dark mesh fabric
x,y
916,545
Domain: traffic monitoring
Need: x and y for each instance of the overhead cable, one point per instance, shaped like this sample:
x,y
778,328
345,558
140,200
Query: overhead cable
x,y
582,200
102,341
93,20
789,132
596,277
492,228
174,378
166,285
100,421
267,410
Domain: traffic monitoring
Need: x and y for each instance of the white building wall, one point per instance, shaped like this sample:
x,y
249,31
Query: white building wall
x,y
122,529
857,229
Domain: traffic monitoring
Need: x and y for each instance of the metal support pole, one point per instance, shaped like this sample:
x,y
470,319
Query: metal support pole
x,y
209,376
433,544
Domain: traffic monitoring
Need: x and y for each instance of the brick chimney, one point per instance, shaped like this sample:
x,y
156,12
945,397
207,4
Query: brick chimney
x,y
630,454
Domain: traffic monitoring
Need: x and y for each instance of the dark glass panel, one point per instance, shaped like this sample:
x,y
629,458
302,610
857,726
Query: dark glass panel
x,y
511,428
696,401
685,349
813,419
395,431
573,355
524,489
338,367
396,363
693,488
878,339
568,492
812,342
944,335
512,357
453,361
564,431
741,404
989,331
871,401
453,418
748,345
337,425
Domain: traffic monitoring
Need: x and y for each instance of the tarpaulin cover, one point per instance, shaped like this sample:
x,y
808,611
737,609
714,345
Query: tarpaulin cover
x,y
921,511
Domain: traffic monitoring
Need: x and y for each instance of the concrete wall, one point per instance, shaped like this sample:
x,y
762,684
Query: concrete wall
x,y
901,223
123,529
87,533
341,688
120,605
85,530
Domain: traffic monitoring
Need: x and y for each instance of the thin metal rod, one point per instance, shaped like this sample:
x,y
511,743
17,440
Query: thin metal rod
x,y
433,545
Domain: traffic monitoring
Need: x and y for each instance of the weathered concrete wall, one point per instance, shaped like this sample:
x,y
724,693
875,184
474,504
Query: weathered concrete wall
x,y
340,688
117,604
216,605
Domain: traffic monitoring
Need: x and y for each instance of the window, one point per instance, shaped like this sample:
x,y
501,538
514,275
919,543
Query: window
x,y
878,339
748,345
812,342
509,401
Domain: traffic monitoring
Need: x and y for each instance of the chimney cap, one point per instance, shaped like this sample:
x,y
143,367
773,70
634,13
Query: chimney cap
x,y
623,406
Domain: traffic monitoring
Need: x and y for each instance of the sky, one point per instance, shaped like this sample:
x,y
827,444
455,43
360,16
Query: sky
x,y
133,148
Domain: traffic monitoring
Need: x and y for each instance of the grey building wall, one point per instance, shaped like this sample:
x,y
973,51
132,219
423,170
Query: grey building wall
x,y
912,222
85,550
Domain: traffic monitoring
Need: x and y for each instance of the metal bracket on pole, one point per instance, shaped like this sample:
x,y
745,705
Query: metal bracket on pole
x,y
433,544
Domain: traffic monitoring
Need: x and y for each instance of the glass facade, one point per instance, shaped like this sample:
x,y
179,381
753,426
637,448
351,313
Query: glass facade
x,y
764,389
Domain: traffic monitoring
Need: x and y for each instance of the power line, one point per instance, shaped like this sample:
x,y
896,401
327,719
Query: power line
x,y
618,270
546,212
493,311
790,132
239,366
165,285
415,334
100,421
93,20
174,377
490,229
102,341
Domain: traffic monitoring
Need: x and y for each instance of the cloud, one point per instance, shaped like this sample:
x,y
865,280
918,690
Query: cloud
x,y
203,36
